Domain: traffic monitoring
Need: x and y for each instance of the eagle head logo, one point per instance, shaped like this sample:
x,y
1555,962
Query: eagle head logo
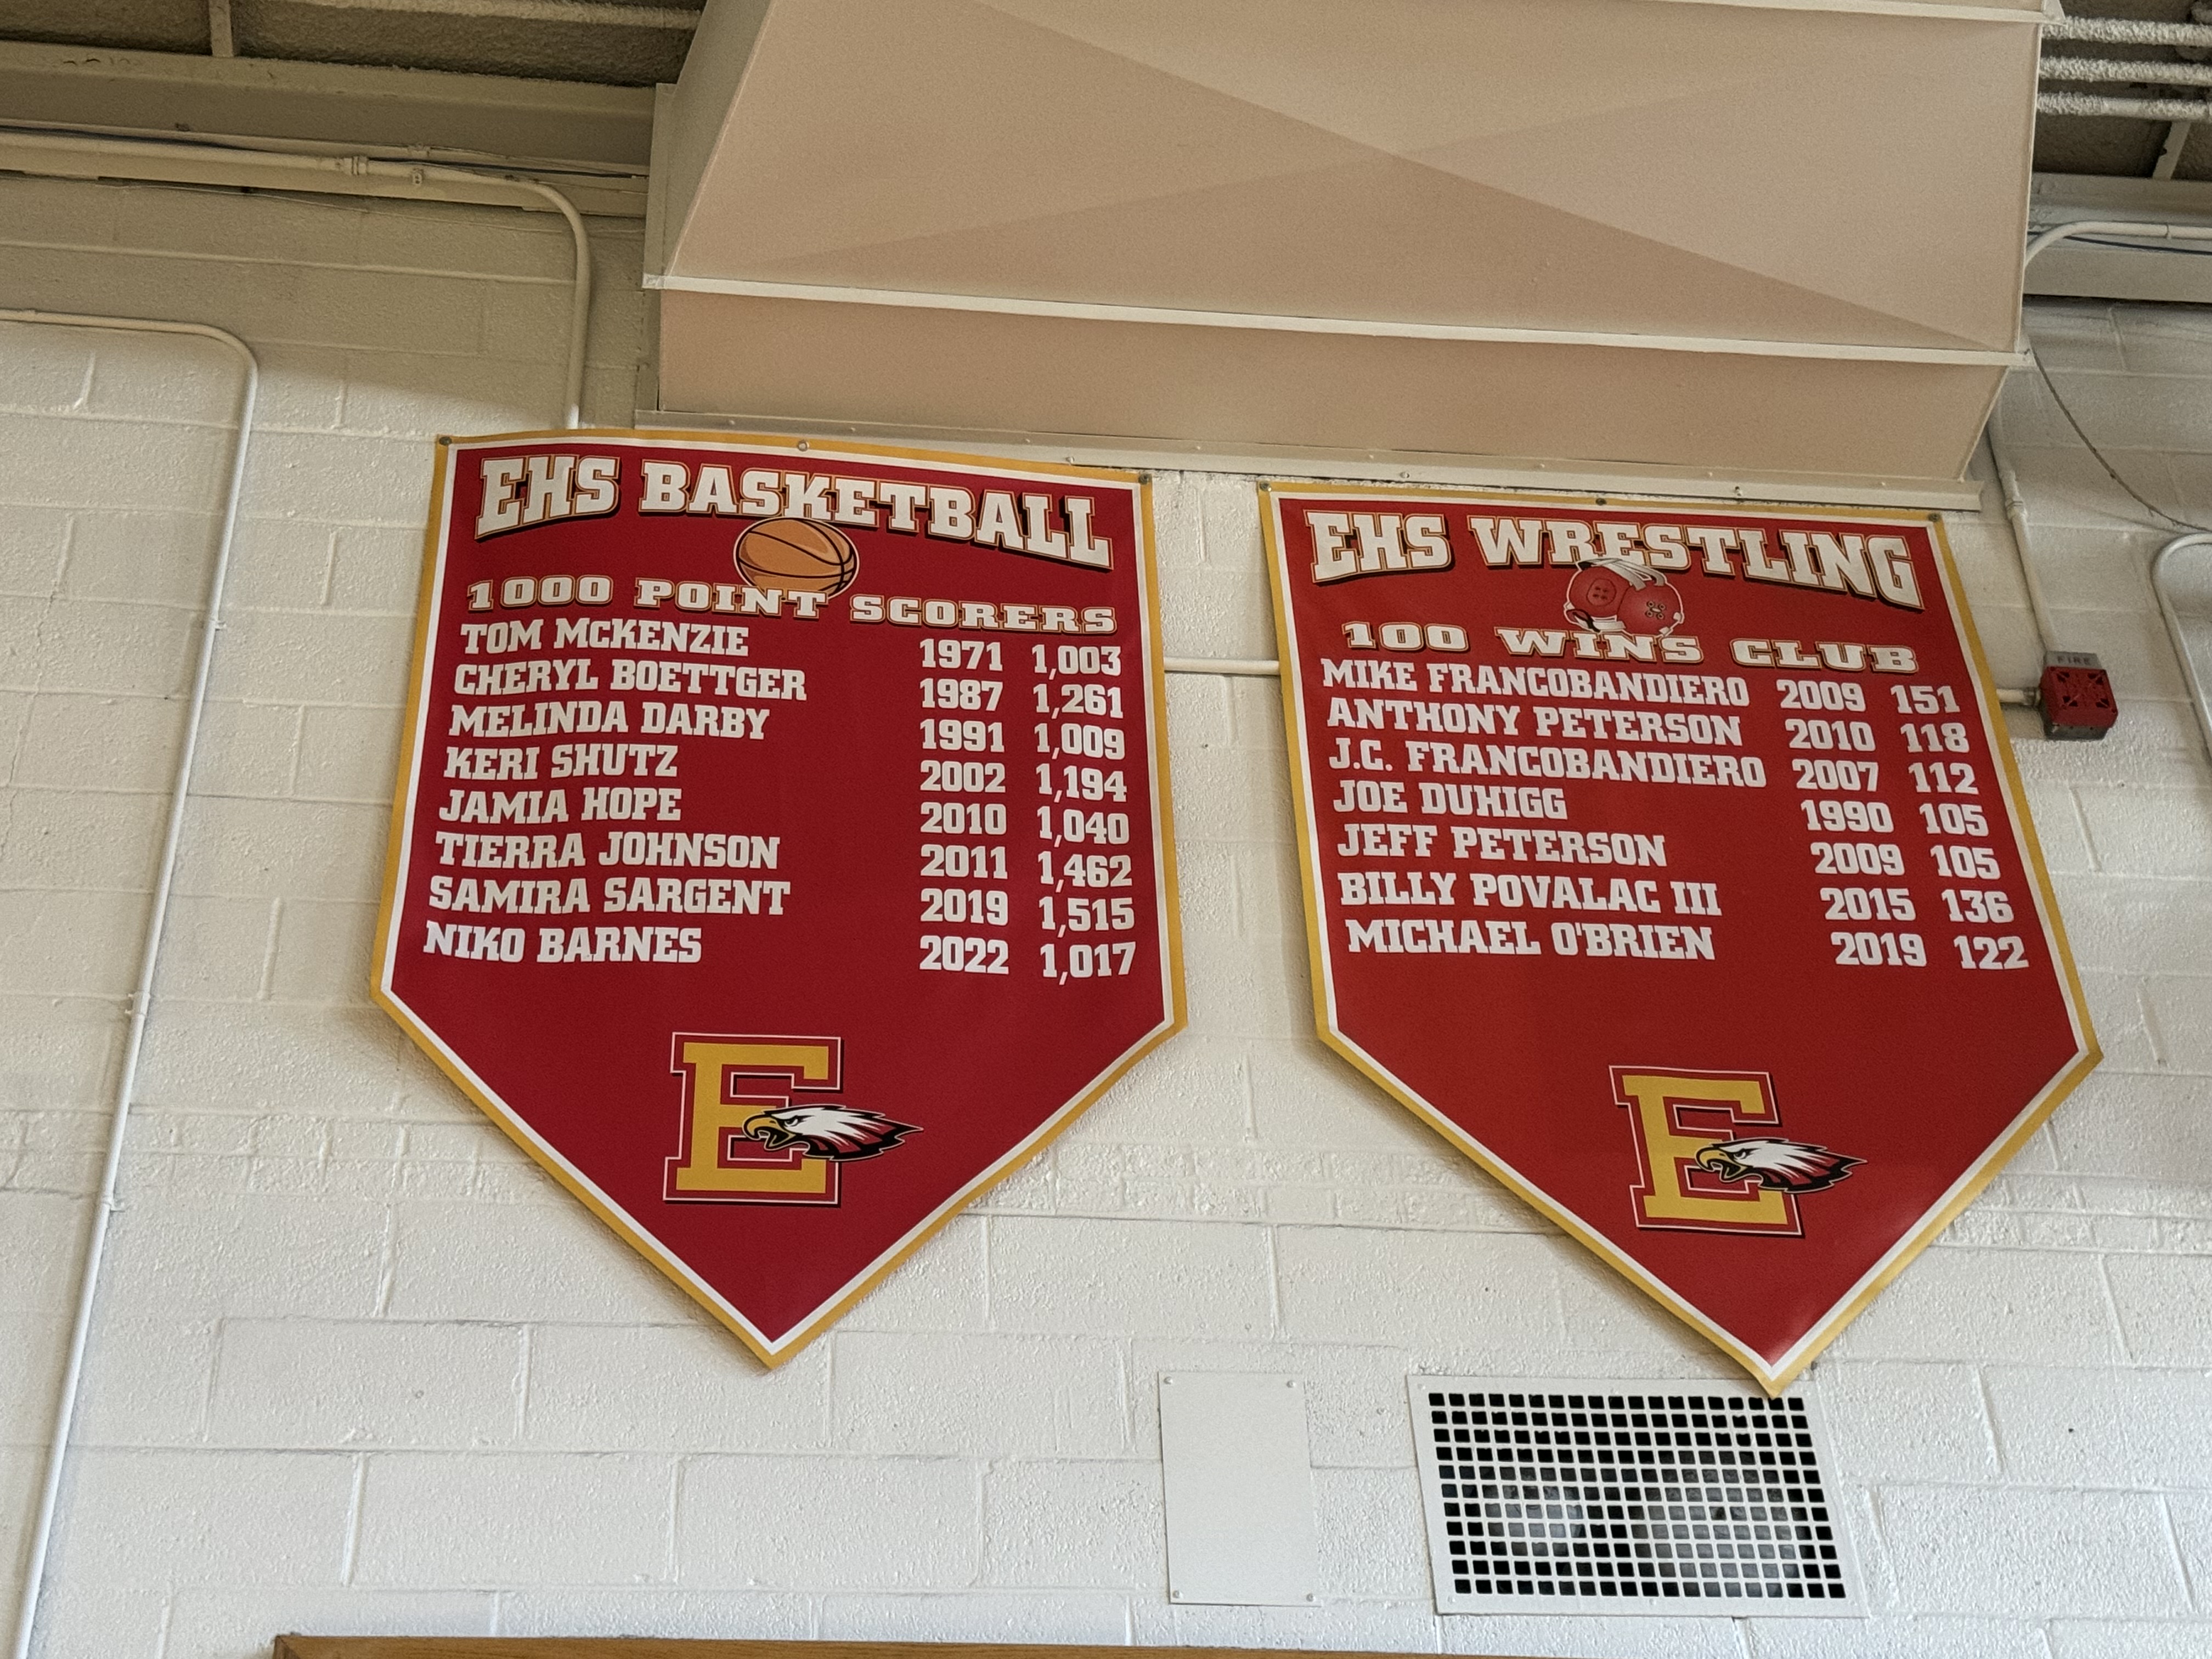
x,y
1790,1166
838,1131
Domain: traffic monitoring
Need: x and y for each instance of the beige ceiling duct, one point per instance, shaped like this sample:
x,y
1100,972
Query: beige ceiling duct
x,y
1778,238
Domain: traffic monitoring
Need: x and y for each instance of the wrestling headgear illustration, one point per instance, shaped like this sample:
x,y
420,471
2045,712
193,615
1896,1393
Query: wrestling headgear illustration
x,y
1619,595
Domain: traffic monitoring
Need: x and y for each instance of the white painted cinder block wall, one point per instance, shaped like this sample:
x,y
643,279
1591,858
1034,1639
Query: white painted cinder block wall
x,y
358,1367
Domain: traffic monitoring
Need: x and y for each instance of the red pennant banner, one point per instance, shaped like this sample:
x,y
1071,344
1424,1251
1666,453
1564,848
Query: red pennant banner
x,y
1669,861
781,853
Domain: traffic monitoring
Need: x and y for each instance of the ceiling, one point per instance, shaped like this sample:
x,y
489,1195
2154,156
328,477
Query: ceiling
x,y
627,43
640,43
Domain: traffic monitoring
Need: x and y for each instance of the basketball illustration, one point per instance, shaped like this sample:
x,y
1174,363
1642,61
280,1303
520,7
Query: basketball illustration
x,y
798,556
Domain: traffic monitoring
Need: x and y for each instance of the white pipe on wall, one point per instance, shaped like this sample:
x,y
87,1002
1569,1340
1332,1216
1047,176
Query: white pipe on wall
x,y
2133,109
149,954
2128,30
2192,682
2124,69
2015,512
57,155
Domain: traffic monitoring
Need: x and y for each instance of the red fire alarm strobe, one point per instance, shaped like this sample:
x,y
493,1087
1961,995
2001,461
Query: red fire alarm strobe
x,y
2076,697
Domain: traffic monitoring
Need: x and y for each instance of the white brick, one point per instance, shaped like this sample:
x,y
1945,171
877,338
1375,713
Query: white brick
x,y
1373,1539
1960,1305
2190,1514
34,1342
2132,1639
2161,1303
376,568
204,1517
345,1061
302,656
1428,1291
2120,924
2075,335
2114,1428
479,1521
216,949
1070,1524
35,551
2160,339
1895,1639
42,1241
320,951
247,749
64,945
2113,1117
88,742
58,1048
276,564
2180,1015
311,1258
390,393
943,1287
1595,1639
829,1523
145,1380
510,1261
149,556
67,463
619,1610
2034,1553
1865,1403
229,1624
75,1619
85,841
296,1382
2161,412
994,1618
49,369
1193,1091
293,849
687,1387
1144,1278
978,1396
2149,832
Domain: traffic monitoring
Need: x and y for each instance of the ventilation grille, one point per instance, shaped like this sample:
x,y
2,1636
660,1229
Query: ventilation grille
x,y
1627,1497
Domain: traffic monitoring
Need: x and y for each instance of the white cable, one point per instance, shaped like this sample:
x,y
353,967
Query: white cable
x,y
2191,680
2143,230
149,954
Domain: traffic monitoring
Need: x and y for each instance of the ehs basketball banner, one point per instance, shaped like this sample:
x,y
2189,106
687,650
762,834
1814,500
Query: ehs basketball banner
x,y
1669,861
781,853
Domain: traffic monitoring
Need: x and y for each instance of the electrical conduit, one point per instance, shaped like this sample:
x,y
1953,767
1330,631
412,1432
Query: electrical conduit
x,y
149,952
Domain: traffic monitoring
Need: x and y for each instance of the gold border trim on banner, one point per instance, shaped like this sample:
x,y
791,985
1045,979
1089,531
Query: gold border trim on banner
x,y
773,1352
1777,1376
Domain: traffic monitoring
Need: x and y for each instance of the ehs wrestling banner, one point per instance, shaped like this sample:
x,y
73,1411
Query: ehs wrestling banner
x,y
1668,859
781,853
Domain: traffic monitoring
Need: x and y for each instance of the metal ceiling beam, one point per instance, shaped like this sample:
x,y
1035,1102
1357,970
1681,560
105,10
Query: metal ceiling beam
x,y
595,14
